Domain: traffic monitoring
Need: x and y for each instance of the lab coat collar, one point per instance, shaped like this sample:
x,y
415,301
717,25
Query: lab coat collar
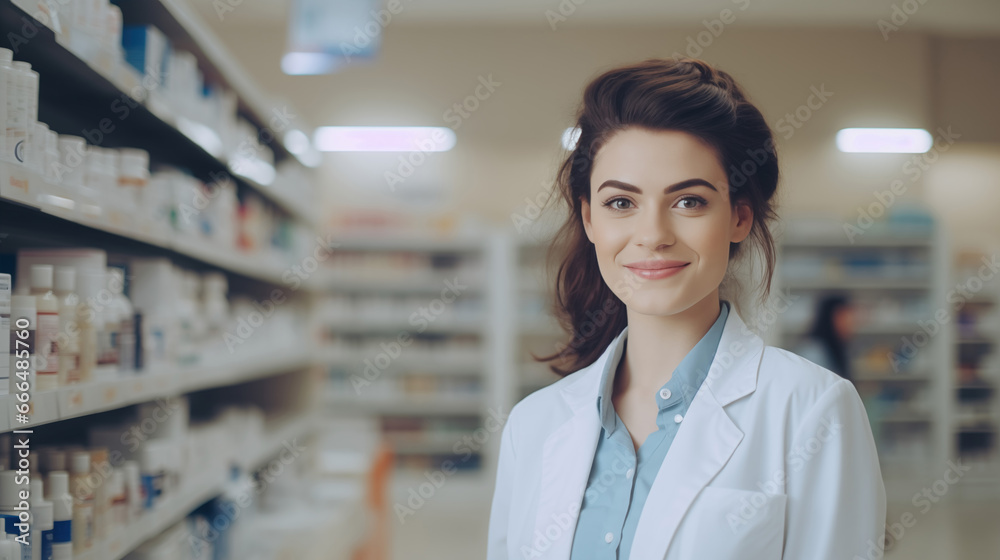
x,y
703,445
689,374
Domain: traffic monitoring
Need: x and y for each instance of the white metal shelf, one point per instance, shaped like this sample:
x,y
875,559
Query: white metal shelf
x,y
128,83
84,399
232,261
406,403
929,386
204,487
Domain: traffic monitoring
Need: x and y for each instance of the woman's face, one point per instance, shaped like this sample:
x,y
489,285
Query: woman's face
x,y
660,219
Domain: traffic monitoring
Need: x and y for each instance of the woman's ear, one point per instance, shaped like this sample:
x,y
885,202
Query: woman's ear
x,y
742,221
585,214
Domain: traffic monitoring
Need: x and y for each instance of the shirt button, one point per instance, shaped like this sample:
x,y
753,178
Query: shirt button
x,y
678,418
608,538
664,394
629,473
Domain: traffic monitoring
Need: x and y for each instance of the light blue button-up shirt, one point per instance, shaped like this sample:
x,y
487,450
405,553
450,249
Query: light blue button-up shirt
x,y
620,478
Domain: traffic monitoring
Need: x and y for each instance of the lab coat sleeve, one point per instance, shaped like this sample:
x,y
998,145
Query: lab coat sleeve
x,y
836,507
500,510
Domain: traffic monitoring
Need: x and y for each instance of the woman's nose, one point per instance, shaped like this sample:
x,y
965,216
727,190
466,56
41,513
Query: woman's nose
x,y
654,229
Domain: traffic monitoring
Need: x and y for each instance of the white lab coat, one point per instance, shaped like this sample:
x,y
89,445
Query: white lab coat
x,y
774,460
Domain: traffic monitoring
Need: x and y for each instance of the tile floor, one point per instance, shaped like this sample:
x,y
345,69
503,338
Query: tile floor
x,y
452,524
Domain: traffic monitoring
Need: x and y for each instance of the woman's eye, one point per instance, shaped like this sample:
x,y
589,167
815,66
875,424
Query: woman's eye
x,y
694,202
618,204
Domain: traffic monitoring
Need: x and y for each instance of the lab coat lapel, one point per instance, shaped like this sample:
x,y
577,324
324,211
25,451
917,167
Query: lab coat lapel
x,y
705,441
567,456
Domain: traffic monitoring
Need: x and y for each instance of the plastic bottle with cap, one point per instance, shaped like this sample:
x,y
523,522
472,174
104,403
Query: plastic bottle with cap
x,y
100,469
133,491
125,317
62,515
5,293
22,343
46,328
14,510
83,502
6,57
41,529
88,320
69,340
26,112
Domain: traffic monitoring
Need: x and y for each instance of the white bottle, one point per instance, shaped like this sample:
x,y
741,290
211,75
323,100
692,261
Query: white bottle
x,y
72,157
46,329
6,57
69,337
41,529
107,334
8,549
5,293
22,319
25,106
83,502
89,320
133,491
62,515
11,486
125,315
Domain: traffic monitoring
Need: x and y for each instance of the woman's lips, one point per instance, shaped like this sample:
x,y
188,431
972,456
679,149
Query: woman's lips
x,y
652,270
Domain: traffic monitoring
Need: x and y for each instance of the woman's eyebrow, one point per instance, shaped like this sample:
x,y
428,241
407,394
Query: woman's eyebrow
x,y
688,183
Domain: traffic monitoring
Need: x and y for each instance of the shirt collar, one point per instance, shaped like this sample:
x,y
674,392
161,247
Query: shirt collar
x,y
684,382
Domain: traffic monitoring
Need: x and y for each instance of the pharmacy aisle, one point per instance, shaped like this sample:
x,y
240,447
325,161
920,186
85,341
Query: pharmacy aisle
x,y
158,375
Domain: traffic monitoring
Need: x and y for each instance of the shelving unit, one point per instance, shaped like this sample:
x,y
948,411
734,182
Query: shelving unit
x,y
106,101
896,281
536,331
976,419
410,341
76,94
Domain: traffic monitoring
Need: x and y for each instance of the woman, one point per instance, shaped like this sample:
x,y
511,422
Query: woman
x,y
826,343
675,432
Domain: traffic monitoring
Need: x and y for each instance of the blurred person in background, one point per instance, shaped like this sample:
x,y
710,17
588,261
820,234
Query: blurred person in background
x,y
827,341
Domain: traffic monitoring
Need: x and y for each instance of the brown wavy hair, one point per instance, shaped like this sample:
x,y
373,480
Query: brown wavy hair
x,y
683,94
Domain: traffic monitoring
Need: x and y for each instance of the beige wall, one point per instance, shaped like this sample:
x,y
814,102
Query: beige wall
x,y
509,147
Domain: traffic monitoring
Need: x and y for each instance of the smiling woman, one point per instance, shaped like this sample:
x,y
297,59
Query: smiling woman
x,y
675,431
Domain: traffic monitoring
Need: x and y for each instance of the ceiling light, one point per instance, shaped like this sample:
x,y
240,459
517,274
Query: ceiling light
x,y
884,140
384,139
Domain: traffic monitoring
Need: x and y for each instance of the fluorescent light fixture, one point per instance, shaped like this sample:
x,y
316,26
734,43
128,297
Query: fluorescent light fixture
x,y
297,142
384,139
884,140
570,137
308,63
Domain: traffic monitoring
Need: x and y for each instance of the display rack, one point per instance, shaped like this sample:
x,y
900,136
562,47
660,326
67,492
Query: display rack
x,y
434,391
977,371
79,92
537,332
895,280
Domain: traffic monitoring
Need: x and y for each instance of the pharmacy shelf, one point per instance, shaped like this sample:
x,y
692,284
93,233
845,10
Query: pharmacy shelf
x,y
906,264
461,363
85,399
441,325
188,31
858,284
428,283
51,219
195,493
409,242
71,87
343,401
